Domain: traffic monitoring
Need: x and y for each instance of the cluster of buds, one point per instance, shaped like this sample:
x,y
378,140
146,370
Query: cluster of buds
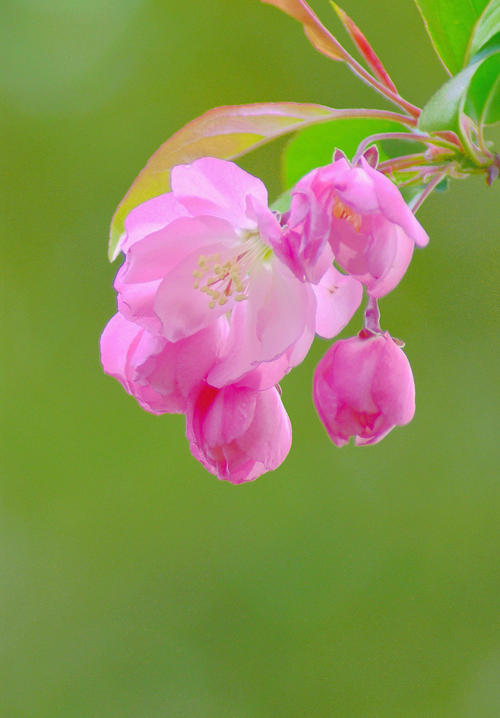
x,y
219,297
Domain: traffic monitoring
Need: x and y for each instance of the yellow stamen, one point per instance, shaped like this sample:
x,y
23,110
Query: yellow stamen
x,y
225,280
342,211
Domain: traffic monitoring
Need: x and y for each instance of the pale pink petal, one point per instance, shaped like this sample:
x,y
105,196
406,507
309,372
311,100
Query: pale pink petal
x,y
136,303
123,347
182,307
266,325
266,374
337,297
378,256
217,187
359,192
118,340
389,257
161,251
158,373
303,246
393,209
149,217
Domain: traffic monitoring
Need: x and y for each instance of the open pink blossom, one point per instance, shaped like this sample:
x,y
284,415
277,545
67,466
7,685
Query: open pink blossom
x,y
158,373
363,388
207,250
238,433
357,215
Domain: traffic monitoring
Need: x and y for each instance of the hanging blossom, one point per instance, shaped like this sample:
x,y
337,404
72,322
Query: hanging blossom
x,y
357,216
219,297
363,388
238,433
206,250
210,318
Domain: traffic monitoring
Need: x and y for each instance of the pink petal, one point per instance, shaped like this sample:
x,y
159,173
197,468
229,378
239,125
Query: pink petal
x,y
266,325
337,296
160,252
394,208
182,308
149,217
217,187
118,340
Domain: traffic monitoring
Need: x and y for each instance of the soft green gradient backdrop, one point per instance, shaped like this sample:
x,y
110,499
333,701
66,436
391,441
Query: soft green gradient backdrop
x,y
353,583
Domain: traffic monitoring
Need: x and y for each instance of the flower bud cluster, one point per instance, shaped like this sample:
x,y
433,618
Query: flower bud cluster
x,y
219,297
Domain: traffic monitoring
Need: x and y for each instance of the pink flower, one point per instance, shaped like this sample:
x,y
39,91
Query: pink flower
x,y
238,433
363,387
158,373
357,215
207,250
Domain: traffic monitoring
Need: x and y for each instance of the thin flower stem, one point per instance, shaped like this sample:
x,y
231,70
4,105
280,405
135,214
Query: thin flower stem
x,y
354,65
418,202
379,87
409,182
482,143
423,171
402,162
372,316
377,114
408,136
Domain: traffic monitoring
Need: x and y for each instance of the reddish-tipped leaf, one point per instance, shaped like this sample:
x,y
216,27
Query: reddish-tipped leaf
x,y
365,48
224,132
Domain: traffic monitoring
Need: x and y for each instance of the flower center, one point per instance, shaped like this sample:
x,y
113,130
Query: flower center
x,y
224,280
342,211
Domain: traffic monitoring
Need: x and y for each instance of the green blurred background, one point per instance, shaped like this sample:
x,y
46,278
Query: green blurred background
x,y
353,583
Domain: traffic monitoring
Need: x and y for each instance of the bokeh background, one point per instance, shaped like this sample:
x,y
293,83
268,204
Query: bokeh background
x,y
353,583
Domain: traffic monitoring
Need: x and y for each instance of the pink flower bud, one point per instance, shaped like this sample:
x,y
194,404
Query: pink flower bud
x,y
238,433
363,387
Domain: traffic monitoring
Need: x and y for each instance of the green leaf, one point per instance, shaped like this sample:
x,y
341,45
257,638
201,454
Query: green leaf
x,y
314,146
224,132
464,93
483,98
486,27
450,24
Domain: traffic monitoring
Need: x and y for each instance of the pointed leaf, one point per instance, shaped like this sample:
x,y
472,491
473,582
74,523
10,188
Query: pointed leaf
x,y
224,132
450,24
443,110
482,102
486,27
365,48
316,32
